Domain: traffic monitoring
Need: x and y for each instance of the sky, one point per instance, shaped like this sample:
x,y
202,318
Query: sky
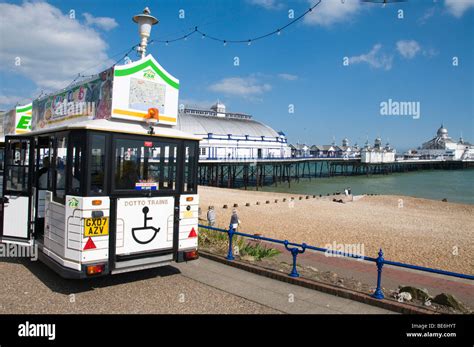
x,y
323,78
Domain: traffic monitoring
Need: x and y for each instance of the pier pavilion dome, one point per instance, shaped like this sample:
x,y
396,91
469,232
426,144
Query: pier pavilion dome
x,y
443,146
219,108
378,142
228,135
442,132
442,141
204,125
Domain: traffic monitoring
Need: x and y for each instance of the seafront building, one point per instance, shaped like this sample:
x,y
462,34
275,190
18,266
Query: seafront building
x,y
300,150
348,151
443,147
378,153
326,151
231,135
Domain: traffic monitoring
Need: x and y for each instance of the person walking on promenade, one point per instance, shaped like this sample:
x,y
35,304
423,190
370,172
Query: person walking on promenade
x,y
211,216
234,220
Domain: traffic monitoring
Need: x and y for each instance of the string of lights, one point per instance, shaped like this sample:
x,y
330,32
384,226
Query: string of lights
x,y
204,35
81,76
194,31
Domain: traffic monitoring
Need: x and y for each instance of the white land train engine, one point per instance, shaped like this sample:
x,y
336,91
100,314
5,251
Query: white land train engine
x,y
103,183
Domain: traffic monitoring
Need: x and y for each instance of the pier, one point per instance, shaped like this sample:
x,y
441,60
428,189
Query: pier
x,y
237,173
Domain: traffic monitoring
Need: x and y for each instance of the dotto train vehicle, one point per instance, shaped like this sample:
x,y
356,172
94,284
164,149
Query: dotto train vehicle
x,y
103,183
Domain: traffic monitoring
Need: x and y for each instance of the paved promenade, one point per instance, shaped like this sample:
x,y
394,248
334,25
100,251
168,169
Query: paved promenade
x,y
202,286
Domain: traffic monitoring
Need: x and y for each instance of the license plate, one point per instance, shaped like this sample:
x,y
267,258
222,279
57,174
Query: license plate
x,y
96,226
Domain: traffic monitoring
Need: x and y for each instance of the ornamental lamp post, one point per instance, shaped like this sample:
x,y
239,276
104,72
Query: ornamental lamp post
x,y
145,22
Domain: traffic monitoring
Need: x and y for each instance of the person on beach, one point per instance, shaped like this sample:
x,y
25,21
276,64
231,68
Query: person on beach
x,y
211,216
234,220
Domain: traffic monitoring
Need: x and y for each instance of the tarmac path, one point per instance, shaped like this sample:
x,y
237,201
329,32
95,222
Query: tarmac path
x,y
199,287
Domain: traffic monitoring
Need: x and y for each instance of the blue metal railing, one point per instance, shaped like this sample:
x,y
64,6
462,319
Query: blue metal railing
x,y
296,248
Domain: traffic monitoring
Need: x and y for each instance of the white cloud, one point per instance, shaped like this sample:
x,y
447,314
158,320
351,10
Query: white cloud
x,y
332,11
267,4
247,87
105,23
427,15
52,47
374,58
288,77
458,7
408,49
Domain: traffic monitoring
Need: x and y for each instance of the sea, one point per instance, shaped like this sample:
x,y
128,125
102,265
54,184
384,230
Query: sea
x,y
453,185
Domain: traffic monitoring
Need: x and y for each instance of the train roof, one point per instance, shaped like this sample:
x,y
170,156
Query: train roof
x,y
118,126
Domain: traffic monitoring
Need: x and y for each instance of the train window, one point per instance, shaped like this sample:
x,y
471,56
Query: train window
x,y
43,161
168,181
2,158
2,151
18,166
97,164
142,164
190,167
75,173
59,168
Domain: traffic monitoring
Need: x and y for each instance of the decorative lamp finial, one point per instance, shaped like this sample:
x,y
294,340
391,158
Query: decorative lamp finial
x,y
145,22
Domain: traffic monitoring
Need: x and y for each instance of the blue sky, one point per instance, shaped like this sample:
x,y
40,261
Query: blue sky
x,y
409,59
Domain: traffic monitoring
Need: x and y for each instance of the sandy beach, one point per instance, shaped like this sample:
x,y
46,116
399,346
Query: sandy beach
x,y
411,230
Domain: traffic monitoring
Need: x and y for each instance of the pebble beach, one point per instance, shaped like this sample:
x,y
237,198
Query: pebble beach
x,y
412,230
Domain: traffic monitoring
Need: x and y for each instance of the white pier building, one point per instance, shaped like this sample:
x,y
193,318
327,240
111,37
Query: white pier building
x,y
442,146
377,153
230,135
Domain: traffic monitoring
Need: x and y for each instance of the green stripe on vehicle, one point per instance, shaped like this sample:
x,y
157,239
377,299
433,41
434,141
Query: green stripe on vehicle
x,y
24,109
144,65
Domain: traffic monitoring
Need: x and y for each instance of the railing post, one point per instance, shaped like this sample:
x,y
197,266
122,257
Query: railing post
x,y
378,294
294,252
230,253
